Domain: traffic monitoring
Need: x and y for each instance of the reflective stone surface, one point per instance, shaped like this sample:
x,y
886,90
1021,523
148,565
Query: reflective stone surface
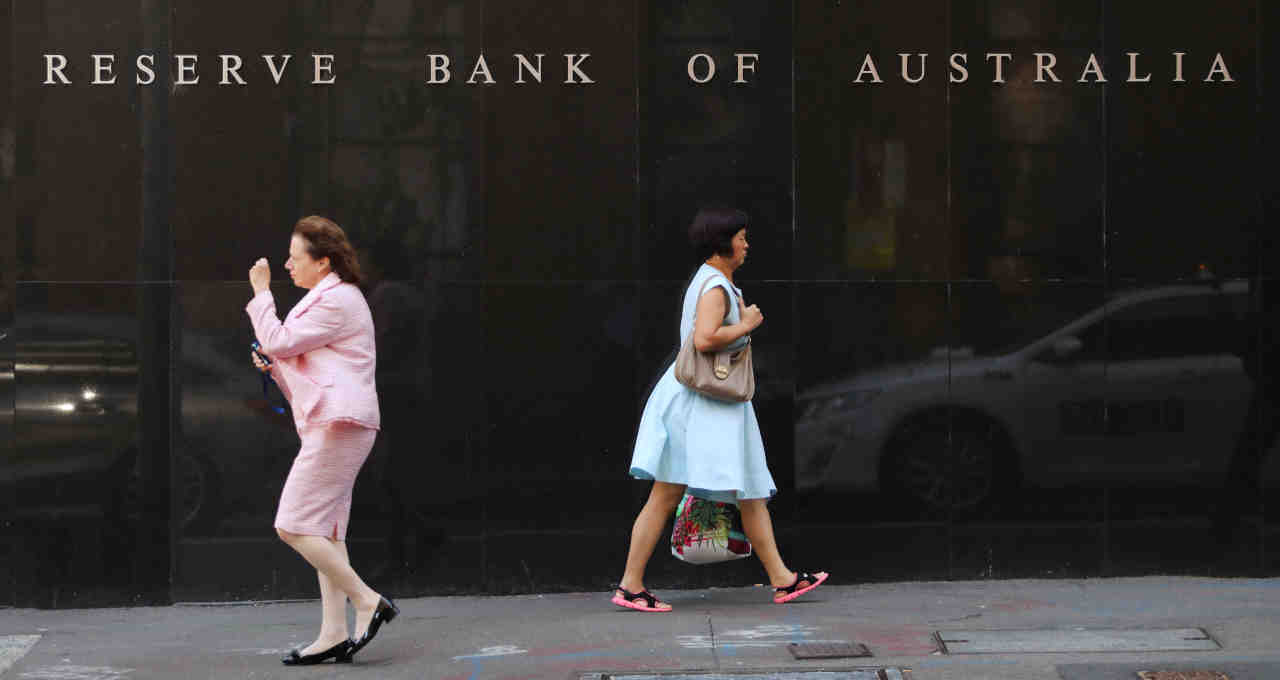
x,y
75,472
77,191
720,141
7,281
1179,157
1013,329
871,163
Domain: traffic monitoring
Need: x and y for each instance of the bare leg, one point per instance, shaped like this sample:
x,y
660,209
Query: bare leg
x,y
363,615
333,627
330,559
646,531
758,526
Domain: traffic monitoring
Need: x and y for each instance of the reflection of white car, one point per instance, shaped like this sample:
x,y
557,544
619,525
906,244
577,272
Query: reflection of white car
x,y
1147,389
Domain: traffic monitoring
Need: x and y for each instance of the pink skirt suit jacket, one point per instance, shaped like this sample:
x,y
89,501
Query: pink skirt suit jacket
x,y
323,358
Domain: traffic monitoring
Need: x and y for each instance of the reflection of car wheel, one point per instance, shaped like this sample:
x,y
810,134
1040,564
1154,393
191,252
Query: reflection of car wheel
x,y
199,494
976,468
198,489
123,505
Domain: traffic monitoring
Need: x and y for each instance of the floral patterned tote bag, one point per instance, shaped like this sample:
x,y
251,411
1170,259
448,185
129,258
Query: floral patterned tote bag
x,y
708,531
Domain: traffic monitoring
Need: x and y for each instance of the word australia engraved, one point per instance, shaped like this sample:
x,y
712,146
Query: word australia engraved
x,y
1172,68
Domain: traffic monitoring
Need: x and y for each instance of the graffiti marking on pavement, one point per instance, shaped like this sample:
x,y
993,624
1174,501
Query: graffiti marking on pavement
x,y
14,647
769,635
72,672
773,630
500,650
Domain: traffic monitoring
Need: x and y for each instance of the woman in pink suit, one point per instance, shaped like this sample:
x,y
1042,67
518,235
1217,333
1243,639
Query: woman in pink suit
x,y
322,357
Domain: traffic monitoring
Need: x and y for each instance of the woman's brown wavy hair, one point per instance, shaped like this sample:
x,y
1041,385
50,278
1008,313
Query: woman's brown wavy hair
x,y
324,238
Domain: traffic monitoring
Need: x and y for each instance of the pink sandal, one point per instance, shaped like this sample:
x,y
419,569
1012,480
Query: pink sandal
x,y
791,592
628,599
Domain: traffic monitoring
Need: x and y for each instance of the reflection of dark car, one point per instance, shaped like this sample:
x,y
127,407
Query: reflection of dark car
x,y
76,423
1148,389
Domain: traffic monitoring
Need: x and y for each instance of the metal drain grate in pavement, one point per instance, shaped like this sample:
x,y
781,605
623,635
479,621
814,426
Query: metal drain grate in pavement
x,y
1215,669
1182,675
888,673
1077,640
828,650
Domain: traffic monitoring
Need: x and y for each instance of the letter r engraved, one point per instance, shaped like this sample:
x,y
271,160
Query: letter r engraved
x,y
53,65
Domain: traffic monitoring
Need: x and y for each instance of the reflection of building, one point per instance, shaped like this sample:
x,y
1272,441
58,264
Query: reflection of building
x,y
387,155
1032,202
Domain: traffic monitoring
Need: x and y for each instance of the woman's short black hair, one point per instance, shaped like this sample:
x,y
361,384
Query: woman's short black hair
x,y
713,229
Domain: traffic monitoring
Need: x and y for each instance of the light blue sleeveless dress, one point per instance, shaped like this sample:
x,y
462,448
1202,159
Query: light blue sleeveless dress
x,y
712,446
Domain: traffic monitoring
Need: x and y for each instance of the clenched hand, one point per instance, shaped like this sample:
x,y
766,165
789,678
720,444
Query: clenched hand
x,y
260,275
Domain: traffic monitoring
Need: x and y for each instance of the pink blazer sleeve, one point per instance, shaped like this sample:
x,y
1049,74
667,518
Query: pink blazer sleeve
x,y
324,354
321,324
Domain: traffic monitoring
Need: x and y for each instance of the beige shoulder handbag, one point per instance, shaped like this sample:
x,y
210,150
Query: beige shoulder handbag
x,y
726,375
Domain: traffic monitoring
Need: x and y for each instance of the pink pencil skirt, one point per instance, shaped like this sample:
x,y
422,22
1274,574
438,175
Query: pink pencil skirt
x,y
316,500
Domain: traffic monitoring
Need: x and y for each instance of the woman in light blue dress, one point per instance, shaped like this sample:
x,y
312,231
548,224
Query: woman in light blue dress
x,y
713,448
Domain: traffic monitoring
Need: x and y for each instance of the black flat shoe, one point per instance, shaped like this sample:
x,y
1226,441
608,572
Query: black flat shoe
x,y
340,653
386,611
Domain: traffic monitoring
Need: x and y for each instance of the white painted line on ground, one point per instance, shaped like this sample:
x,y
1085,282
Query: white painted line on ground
x,y
14,647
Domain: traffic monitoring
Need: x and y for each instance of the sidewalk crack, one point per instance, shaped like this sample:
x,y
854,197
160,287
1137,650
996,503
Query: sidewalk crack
x,y
715,654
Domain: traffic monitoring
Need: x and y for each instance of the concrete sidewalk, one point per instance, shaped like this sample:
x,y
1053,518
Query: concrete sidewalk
x,y
724,630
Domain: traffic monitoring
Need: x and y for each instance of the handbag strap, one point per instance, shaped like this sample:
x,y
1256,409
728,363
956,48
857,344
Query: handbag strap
x,y
727,309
